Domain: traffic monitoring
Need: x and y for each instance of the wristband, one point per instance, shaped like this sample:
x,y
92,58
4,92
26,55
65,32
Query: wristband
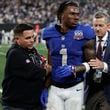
x,y
86,66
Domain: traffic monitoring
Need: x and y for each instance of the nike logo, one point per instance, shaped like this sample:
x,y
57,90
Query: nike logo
x,y
78,89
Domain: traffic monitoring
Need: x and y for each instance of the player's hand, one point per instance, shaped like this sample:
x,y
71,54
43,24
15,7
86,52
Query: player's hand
x,y
44,97
48,68
62,73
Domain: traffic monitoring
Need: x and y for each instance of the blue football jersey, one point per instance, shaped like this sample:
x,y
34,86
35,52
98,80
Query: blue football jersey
x,y
67,49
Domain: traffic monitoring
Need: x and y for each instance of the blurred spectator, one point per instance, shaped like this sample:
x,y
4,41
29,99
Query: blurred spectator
x,y
44,12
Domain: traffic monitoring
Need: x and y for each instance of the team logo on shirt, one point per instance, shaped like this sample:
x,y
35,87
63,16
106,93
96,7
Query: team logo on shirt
x,y
78,35
28,61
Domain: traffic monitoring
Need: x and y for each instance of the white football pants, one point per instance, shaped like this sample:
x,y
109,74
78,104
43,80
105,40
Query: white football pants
x,y
66,99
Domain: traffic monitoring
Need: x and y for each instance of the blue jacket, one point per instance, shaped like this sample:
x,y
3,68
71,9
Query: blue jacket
x,y
106,76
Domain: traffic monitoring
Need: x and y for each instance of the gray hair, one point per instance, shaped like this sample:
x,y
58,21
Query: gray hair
x,y
102,14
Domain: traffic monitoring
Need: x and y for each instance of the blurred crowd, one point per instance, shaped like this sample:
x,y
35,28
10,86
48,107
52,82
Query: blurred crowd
x,y
44,11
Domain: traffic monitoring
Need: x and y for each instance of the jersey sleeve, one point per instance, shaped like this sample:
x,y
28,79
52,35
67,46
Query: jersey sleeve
x,y
49,32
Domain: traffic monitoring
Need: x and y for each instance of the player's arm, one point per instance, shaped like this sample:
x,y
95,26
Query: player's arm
x,y
49,58
89,53
48,54
47,82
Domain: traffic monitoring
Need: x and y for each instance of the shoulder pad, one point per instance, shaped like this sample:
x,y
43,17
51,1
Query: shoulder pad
x,y
89,31
50,32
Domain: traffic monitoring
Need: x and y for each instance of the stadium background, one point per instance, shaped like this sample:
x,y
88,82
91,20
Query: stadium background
x,y
40,13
